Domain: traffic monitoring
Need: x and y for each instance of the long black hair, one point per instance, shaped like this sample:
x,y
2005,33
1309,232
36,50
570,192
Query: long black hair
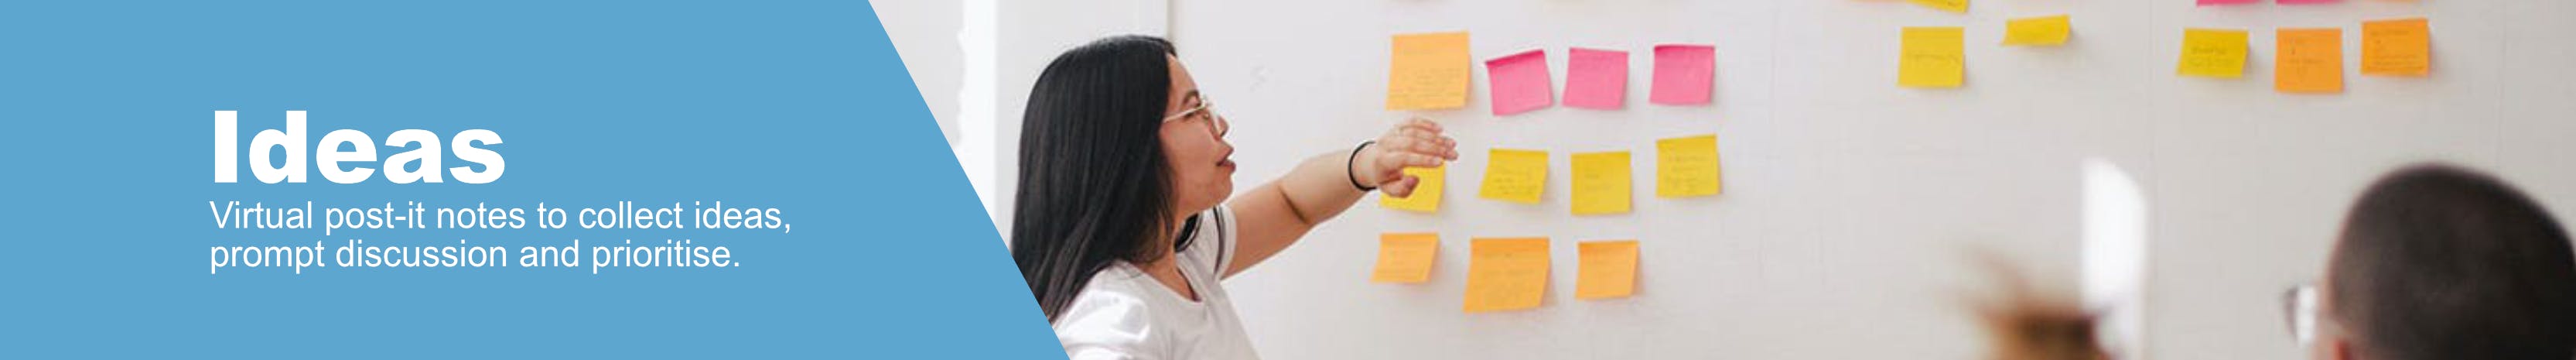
x,y
1094,187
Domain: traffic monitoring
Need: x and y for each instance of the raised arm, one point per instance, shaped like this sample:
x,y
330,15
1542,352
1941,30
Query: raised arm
x,y
1275,215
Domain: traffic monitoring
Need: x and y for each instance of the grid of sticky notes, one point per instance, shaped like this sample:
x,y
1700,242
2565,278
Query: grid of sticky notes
x,y
2311,60
2307,60
1511,273
1603,181
1431,71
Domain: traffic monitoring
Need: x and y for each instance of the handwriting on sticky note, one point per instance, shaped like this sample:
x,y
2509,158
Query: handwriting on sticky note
x,y
2044,30
1683,74
2308,61
1596,79
1608,269
1506,274
1601,183
2212,53
1425,196
1519,82
1932,58
1428,71
1687,166
1514,175
1956,6
2401,47
1405,257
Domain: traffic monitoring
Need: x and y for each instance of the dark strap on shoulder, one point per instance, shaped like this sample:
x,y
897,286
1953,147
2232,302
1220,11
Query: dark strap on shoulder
x,y
1224,251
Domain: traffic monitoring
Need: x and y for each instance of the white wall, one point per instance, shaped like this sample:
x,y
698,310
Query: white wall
x,y
1849,200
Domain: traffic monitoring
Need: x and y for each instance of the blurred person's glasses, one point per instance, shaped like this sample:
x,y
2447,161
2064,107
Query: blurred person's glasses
x,y
2299,306
1206,111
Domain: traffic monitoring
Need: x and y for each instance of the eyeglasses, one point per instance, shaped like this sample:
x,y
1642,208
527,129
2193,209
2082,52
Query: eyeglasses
x,y
1205,111
2299,306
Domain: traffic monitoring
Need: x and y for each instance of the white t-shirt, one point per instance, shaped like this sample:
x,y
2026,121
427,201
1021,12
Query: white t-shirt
x,y
1125,314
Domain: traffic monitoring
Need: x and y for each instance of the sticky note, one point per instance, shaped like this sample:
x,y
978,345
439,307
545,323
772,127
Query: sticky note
x,y
1519,82
1601,183
1514,175
1405,257
1596,79
1506,274
1683,74
2212,53
1608,269
2304,2
1428,71
1956,6
2224,2
1687,166
2396,47
1425,196
2308,61
1932,58
2044,30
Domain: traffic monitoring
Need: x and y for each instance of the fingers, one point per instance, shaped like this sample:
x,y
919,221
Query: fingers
x,y
1395,161
1401,187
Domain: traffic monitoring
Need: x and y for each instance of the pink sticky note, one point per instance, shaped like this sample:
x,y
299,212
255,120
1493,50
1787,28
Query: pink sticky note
x,y
1520,82
1683,73
1596,79
2303,2
2224,2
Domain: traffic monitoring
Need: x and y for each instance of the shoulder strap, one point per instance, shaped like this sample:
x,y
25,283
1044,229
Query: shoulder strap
x,y
1225,251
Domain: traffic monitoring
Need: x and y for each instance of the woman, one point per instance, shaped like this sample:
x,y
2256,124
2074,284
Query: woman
x,y
1119,229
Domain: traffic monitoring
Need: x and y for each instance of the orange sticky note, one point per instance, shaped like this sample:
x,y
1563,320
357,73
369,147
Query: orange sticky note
x,y
1933,57
2309,61
1601,183
1506,274
1687,166
1956,6
2212,53
2402,47
1405,257
1514,175
1428,71
1425,196
1609,269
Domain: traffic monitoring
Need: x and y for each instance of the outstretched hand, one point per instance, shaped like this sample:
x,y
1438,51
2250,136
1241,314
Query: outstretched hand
x,y
1416,142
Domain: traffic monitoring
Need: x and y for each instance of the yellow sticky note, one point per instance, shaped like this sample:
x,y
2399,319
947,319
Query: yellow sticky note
x,y
1932,58
2308,61
2212,53
1514,175
2044,30
1405,257
1609,269
1425,196
1428,71
1506,274
1601,183
1687,166
2401,47
1956,6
